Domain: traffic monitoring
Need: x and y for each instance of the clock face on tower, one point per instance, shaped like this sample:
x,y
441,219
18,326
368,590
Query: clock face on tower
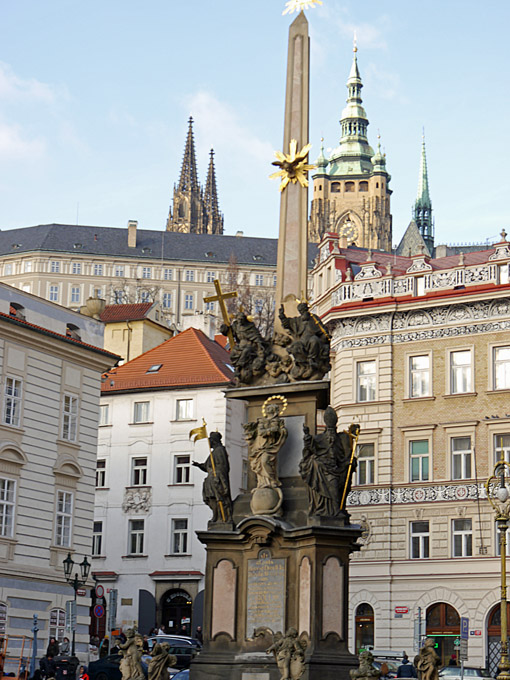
x,y
348,229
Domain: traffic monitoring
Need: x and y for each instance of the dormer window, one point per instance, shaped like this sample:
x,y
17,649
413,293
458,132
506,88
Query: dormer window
x,y
210,254
146,250
15,246
154,368
73,331
17,311
257,258
78,246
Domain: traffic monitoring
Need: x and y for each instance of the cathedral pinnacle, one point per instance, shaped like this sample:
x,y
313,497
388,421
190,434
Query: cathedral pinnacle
x,y
213,219
189,176
422,209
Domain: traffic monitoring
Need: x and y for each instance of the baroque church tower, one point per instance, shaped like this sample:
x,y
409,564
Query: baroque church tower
x,y
195,210
351,195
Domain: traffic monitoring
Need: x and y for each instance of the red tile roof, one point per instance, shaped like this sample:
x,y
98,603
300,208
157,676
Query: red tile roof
x,y
131,312
187,359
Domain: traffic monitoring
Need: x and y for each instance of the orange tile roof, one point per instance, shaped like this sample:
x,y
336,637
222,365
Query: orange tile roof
x,y
187,359
129,312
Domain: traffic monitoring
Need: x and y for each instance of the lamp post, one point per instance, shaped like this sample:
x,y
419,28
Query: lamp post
x,y
498,494
76,582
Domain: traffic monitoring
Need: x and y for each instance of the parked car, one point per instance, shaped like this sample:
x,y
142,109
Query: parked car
x,y
392,667
453,673
182,675
184,648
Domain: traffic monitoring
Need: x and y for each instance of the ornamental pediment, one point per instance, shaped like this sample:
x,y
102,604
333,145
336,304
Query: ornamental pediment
x,y
368,271
419,265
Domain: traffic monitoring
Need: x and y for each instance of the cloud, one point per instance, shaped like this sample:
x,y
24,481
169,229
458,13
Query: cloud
x,y
13,88
14,145
219,126
386,84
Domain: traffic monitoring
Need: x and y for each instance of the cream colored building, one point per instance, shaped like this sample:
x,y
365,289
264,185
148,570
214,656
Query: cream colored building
x,y
51,361
421,353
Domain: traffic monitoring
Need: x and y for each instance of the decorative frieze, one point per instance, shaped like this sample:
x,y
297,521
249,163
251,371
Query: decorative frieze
x,y
137,500
416,494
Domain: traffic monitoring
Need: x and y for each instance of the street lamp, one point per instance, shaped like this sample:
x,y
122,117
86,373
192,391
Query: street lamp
x,y
77,582
498,494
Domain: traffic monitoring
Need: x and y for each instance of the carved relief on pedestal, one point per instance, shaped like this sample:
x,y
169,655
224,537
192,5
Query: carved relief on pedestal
x,y
137,500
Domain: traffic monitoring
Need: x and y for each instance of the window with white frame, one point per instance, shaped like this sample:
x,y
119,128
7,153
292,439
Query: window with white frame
x,y
209,306
365,380
97,538
7,506
210,276
461,372
76,269
119,270
54,266
419,460
420,540
419,376
70,418
145,296
189,275
167,300
274,280
498,541
100,473
104,414
182,469
184,409
141,411
139,472
57,624
98,270
502,447
118,297
3,618
27,266
461,457
136,536
259,279
12,401
366,464
501,361
64,518
53,296
75,295
180,536
258,306
168,274
146,272
8,269
188,301
462,538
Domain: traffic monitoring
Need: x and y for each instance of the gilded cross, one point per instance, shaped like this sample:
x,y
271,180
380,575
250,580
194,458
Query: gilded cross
x,y
220,298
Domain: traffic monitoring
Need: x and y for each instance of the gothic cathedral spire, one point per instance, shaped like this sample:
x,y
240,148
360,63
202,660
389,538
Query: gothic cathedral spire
x,y
351,195
194,211
422,209
213,219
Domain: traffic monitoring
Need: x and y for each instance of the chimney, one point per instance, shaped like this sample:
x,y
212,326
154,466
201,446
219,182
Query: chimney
x,y
132,225
239,234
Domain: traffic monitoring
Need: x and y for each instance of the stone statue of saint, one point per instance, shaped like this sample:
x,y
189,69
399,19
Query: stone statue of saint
x,y
216,488
265,438
161,660
309,344
428,661
249,354
131,650
325,466
366,668
289,653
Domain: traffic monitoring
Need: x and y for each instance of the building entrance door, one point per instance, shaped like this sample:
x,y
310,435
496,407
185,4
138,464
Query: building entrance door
x,y
443,624
176,608
364,624
494,638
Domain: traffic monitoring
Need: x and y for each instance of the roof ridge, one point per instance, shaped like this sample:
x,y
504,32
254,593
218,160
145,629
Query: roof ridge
x,y
200,337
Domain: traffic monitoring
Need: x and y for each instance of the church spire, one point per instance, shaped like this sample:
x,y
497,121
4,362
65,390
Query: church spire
x,y
422,209
213,219
189,176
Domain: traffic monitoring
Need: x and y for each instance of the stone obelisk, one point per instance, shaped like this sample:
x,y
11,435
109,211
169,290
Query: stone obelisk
x,y
291,276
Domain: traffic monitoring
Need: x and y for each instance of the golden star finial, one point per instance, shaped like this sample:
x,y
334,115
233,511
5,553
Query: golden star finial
x,y
293,165
299,5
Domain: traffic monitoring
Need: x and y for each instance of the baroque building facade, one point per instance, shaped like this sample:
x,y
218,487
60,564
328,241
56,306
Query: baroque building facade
x,y
422,361
351,194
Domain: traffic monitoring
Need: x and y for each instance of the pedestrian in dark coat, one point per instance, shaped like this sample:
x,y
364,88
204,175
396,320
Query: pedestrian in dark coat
x,y
406,669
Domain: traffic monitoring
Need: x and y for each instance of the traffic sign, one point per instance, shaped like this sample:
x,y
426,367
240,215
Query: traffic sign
x,y
99,591
99,611
464,628
463,651
70,620
112,608
401,610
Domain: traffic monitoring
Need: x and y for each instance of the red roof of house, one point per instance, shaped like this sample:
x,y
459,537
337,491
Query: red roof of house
x,y
130,312
187,359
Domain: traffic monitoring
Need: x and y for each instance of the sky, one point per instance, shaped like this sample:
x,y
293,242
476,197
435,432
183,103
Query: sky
x,y
95,97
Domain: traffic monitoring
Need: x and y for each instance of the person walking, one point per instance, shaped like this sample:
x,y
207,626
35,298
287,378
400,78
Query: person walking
x,y
406,668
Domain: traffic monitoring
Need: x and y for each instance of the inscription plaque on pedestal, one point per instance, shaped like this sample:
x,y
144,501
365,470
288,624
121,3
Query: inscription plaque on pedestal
x,y
265,599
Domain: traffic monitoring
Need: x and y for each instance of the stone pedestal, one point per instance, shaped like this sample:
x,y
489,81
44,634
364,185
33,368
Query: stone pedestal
x,y
275,572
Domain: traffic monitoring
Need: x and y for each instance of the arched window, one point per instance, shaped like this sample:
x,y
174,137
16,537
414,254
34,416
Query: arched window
x,y
364,624
443,624
349,187
363,186
57,623
335,188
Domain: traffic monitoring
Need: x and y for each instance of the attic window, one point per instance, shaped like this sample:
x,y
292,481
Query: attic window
x,y
78,246
146,250
16,310
15,246
210,254
73,331
154,368
257,258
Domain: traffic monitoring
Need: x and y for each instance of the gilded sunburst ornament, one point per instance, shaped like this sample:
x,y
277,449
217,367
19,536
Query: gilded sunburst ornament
x,y
298,5
293,165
